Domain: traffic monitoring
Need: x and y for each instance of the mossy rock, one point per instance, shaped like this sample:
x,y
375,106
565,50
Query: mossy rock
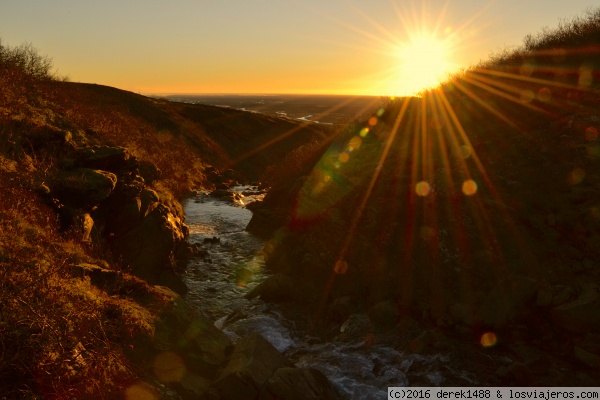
x,y
83,187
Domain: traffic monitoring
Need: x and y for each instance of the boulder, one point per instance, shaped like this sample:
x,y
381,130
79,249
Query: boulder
x,y
428,342
356,328
508,300
100,277
149,171
148,249
83,224
586,357
113,159
83,187
48,137
129,185
463,314
76,221
384,314
221,193
213,240
255,205
283,288
201,345
265,222
341,308
185,350
580,315
227,195
276,288
149,200
298,384
122,284
124,218
252,362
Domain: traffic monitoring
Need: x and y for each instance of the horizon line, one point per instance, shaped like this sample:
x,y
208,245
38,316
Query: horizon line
x,y
258,94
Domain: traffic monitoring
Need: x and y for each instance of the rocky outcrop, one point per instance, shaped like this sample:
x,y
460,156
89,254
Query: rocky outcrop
x,y
252,362
77,222
298,384
147,248
256,370
84,187
508,300
101,195
113,159
47,137
265,221
384,314
283,288
580,315
100,192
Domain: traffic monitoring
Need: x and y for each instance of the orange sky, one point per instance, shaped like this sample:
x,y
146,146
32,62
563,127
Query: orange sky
x,y
266,46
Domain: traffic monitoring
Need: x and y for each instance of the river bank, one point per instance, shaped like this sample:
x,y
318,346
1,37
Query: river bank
x,y
93,234
482,230
361,353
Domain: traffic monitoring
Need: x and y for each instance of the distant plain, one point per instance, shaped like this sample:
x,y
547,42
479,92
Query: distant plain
x,y
323,109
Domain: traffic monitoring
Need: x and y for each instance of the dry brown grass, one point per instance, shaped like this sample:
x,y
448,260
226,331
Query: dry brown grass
x,y
113,117
60,337
55,338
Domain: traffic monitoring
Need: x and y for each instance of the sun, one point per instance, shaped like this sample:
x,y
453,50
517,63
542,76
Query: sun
x,y
423,62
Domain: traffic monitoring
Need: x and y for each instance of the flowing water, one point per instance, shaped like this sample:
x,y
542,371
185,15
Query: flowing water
x,y
234,265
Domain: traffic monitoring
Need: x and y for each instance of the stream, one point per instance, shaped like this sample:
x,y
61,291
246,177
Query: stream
x,y
234,265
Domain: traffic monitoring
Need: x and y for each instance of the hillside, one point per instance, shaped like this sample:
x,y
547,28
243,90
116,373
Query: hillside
x,y
222,137
470,212
93,236
464,222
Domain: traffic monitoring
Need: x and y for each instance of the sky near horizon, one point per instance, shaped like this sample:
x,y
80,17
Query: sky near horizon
x,y
269,46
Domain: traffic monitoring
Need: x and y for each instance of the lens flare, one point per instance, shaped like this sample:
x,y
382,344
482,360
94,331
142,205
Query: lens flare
x,y
544,95
341,267
527,96
355,142
469,187
488,339
466,151
424,62
576,176
140,391
423,189
168,367
344,157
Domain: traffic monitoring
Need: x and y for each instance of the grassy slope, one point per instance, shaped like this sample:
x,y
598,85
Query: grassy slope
x,y
524,127
198,134
47,317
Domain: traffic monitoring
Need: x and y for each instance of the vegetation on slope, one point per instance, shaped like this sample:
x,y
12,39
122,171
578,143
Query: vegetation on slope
x,y
473,208
74,323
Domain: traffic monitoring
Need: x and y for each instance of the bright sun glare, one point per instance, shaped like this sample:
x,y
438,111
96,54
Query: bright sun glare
x,y
423,63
